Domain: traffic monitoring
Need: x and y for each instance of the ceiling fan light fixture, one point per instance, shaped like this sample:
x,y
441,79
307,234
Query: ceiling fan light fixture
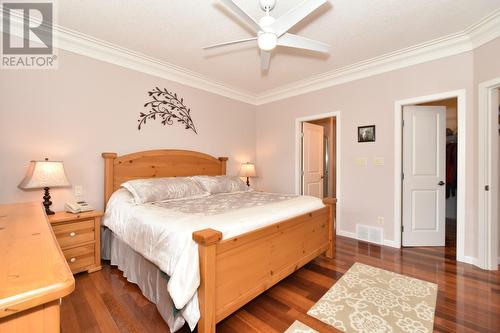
x,y
267,41
267,5
266,21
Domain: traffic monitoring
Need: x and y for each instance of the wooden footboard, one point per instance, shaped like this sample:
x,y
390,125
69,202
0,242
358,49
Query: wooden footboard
x,y
236,270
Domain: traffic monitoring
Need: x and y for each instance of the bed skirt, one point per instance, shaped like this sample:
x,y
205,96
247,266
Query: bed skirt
x,y
138,270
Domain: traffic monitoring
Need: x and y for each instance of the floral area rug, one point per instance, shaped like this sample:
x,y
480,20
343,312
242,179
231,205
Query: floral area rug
x,y
298,327
371,300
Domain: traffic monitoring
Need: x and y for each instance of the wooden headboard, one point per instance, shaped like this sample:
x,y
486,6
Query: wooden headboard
x,y
157,163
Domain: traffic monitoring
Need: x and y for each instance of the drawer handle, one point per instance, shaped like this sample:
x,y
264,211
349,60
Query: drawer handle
x,y
72,259
72,234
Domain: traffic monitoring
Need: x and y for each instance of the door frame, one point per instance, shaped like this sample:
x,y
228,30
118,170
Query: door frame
x,y
460,95
298,154
488,257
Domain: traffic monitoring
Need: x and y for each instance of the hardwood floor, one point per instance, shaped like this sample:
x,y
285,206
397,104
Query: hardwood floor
x,y
468,297
451,237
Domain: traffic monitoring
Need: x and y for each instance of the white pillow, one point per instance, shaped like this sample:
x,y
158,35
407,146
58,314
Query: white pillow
x,y
221,184
163,189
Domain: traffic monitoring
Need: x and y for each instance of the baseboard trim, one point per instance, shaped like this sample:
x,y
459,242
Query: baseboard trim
x,y
468,260
385,242
390,243
346,234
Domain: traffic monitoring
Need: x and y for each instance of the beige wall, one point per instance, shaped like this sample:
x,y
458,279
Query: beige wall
x,y
487,67
371,101
86,107
362,102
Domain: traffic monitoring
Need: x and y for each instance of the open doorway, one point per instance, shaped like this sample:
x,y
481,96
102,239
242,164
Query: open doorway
x,y
429,185
433,221
331,124
318,161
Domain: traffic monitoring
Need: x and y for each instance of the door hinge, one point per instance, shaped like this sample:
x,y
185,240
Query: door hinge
x,y
402,228
302,134
487,188
402,176
403,122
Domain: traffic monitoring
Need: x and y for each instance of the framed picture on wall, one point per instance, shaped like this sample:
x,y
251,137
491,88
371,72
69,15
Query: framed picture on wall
x,y
366,133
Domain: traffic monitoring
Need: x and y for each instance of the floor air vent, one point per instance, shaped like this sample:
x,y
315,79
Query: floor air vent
x,y
369,234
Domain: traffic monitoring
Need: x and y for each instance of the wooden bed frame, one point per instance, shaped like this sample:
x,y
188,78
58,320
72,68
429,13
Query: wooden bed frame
x,y
236,270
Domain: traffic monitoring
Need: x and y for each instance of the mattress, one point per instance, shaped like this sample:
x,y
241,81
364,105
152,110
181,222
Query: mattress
x,y
162,232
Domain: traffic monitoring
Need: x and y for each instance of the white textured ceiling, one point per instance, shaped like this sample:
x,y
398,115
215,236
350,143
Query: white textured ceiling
x,y
175,31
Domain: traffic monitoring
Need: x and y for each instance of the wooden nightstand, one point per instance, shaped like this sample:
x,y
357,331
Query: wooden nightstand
x,y
79,237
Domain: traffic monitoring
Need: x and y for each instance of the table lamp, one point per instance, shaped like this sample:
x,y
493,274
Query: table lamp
x,y
45,174
247,170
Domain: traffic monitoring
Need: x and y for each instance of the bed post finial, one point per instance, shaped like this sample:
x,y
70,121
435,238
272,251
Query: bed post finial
x,y
223,162
109,161
207,240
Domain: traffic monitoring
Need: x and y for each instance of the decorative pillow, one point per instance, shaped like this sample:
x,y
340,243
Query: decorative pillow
x,y
163,189
221,184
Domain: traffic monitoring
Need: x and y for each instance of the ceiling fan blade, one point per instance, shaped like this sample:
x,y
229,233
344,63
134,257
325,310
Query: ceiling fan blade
x,y
230,43
242,14
299,42
265,58
295,15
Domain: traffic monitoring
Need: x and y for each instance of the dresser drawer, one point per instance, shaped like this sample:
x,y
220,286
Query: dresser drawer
x,y
80,258
74,233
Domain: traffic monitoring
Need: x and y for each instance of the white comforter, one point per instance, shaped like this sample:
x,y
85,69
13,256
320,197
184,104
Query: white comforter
x,y
163,235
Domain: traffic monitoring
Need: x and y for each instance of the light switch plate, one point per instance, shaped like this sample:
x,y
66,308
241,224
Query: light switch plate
x,y
380,220
379,161
362,161
78,190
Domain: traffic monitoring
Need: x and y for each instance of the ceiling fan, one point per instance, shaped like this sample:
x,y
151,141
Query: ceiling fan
x,y
272,32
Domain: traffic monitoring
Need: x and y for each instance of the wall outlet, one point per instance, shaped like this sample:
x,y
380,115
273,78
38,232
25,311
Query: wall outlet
x,y
362,161
380,220
378,161
78,190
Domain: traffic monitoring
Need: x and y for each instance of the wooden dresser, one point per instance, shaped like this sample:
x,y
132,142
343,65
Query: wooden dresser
x,y
34,275
79,238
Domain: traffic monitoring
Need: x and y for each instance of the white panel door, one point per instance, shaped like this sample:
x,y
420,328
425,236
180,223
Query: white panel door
x,y
424,175
312,160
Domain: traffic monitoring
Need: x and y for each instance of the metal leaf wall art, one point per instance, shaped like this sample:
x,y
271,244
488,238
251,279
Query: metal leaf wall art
x,y
168,107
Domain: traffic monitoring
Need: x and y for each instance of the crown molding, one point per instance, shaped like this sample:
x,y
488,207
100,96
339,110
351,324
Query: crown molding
x,y
94,48
82,44
475,36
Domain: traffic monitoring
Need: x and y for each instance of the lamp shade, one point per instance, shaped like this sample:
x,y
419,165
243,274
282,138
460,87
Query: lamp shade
x,y
44,174
247,170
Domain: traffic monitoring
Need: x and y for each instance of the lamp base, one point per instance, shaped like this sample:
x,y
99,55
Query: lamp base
x,y
47,202
248,182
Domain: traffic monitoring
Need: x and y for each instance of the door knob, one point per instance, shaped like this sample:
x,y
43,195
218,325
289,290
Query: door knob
x,y
441,183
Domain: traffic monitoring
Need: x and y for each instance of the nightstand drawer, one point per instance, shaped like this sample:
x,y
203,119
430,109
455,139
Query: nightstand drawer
x,y
78,236
74,233
80,258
